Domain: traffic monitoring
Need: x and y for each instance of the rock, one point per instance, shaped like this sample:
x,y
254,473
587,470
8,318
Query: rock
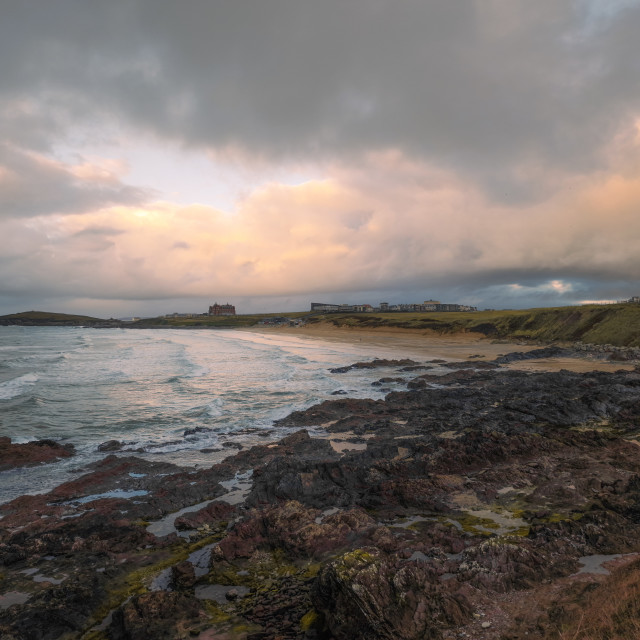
x,y
31,453
56,610
158,615
536,354
110,445
214,512
364,594
376,364
195,430
183,575
473,484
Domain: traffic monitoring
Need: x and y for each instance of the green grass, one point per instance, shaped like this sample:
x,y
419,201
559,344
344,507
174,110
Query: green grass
x,y
46,317
244,320
617,324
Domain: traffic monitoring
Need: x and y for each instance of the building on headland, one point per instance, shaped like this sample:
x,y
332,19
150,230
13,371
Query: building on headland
x,y
385,307
222,310
321,307
634,299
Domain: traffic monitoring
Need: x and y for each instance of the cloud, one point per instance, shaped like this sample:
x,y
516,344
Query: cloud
x,y
33,184
390,224
452,147
489,87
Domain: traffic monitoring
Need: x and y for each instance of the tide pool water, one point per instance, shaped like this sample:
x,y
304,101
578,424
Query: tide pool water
x,y
173,395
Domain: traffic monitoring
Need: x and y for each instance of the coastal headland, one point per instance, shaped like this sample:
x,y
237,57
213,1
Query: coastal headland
x,y
495,500
616,325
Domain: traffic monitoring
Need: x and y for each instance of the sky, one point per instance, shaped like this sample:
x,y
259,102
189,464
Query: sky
x,y
160,156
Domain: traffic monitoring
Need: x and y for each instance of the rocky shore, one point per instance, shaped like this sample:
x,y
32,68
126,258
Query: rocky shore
x,y
485,503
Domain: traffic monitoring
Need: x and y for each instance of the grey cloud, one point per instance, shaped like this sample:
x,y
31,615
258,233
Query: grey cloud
x,y
32,186
479,86
98,232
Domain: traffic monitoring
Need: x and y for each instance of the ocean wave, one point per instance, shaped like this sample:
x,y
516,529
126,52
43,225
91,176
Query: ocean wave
x,y
17,386
212,409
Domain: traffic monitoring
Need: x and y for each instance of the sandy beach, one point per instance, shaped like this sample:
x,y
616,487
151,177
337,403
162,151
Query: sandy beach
x,y
424,343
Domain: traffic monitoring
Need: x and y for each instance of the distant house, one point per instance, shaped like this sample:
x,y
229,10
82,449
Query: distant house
x,y
222,310
322,307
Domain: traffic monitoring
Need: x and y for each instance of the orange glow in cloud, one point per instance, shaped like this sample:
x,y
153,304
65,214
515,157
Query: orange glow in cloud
x,y
391,220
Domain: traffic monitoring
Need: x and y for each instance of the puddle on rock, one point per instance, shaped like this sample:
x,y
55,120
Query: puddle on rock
x,y
13,597
165,526
38,577
594,563
405,523
238,488
162,582
116,493
200,560
41,578
325,513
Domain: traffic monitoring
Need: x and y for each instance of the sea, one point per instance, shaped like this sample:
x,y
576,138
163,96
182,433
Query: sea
x,y
189,397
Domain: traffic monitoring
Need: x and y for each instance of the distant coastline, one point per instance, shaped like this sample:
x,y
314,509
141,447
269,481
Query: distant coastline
x,y
616,325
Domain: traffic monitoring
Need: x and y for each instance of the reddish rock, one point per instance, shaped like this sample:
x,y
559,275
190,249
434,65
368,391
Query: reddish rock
x,y
212,513
158,615
31,453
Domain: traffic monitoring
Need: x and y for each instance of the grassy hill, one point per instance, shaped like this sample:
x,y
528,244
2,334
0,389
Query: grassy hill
x,y
46,318
220,322
617,324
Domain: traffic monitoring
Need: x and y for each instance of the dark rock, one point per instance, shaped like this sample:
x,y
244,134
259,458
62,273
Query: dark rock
x,y
183,575
110,445
535,354
375,364
232,445
195,430
364,594
471,365
158,615
57,611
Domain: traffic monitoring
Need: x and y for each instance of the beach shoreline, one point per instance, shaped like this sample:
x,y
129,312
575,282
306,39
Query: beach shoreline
x,y
426,343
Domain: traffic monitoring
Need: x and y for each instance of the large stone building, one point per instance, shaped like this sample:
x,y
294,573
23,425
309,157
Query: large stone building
x,y
222,310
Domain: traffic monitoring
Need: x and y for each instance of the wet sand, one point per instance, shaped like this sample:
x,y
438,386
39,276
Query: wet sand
x,y
420,343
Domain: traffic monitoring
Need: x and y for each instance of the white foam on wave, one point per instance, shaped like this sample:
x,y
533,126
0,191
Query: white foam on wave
x,y
17,386
214,408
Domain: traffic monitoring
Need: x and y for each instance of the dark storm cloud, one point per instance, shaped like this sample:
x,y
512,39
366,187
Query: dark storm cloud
x,y
481,86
